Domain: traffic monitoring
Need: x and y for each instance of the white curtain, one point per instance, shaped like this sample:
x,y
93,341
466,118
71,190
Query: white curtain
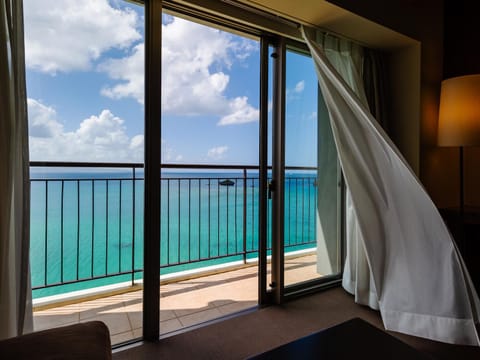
x,y
421,283
347,58
15,294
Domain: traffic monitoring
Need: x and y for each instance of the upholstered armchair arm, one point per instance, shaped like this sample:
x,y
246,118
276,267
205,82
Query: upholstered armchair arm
x,y
90,340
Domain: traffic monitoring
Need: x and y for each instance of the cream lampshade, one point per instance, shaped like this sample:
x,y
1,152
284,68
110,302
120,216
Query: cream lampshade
x,y
459,118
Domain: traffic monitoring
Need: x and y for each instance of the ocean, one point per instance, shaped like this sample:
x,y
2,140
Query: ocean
x,y
86,228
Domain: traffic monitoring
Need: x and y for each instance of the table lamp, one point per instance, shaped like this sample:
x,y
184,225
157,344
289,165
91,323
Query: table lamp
x,y
459,117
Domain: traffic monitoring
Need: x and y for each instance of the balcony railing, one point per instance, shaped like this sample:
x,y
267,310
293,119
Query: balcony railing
x,y
87,219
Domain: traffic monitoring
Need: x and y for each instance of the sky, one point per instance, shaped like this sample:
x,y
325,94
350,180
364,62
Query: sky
x,y
85,88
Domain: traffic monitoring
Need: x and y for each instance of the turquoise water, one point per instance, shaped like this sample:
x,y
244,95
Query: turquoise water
x,y
88,225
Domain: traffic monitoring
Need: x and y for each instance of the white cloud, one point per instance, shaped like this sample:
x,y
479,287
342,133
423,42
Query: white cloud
x,y
195,62
137,142
217,153
169,154
68,35
130,71
98,138
245,47
42,120
240,112
299,87
293,94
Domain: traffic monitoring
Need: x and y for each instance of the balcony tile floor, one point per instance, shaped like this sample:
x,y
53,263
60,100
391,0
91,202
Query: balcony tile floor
x,y
183,303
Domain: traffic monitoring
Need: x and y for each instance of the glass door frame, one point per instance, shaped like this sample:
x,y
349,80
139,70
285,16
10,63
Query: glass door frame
x,y
152,163
264,296
277,184
152,200
280,292
275,291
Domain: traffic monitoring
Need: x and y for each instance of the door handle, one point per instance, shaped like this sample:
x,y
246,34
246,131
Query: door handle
x,y
271,187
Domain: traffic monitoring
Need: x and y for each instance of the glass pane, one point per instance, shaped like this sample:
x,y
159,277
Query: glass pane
x,y
271,50
209,209
312,247
84,62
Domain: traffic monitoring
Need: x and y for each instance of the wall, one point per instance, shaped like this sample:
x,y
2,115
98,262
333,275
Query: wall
x,y
403,95
422,20
462,57
462,53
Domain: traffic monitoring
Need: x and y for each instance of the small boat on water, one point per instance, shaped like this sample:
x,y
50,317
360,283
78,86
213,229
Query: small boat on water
x,y
227,182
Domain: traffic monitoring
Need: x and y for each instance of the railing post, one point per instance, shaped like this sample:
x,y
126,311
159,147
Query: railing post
x,y
133,226
244,216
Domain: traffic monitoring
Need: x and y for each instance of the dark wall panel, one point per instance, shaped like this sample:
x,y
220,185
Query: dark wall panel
x,y
462,34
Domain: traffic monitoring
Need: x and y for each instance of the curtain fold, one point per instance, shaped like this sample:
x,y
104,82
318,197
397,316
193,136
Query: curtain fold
x,y
376,91
15,293
421,282
347,58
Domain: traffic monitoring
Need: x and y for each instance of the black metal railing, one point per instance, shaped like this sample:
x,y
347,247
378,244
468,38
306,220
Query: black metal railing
x,y
87,218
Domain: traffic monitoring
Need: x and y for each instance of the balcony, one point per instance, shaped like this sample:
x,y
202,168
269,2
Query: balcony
x,y
87,242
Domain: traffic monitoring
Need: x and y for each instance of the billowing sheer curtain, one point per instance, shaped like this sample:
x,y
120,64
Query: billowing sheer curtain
x,y
347,58
416,273
15,294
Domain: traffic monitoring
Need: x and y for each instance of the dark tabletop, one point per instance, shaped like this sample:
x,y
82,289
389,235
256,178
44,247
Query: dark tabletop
x,y
353,339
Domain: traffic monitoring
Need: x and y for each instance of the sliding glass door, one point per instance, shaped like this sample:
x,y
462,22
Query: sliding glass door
x,y
312,246
84,75
209,213
306,179
192,159
249,175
